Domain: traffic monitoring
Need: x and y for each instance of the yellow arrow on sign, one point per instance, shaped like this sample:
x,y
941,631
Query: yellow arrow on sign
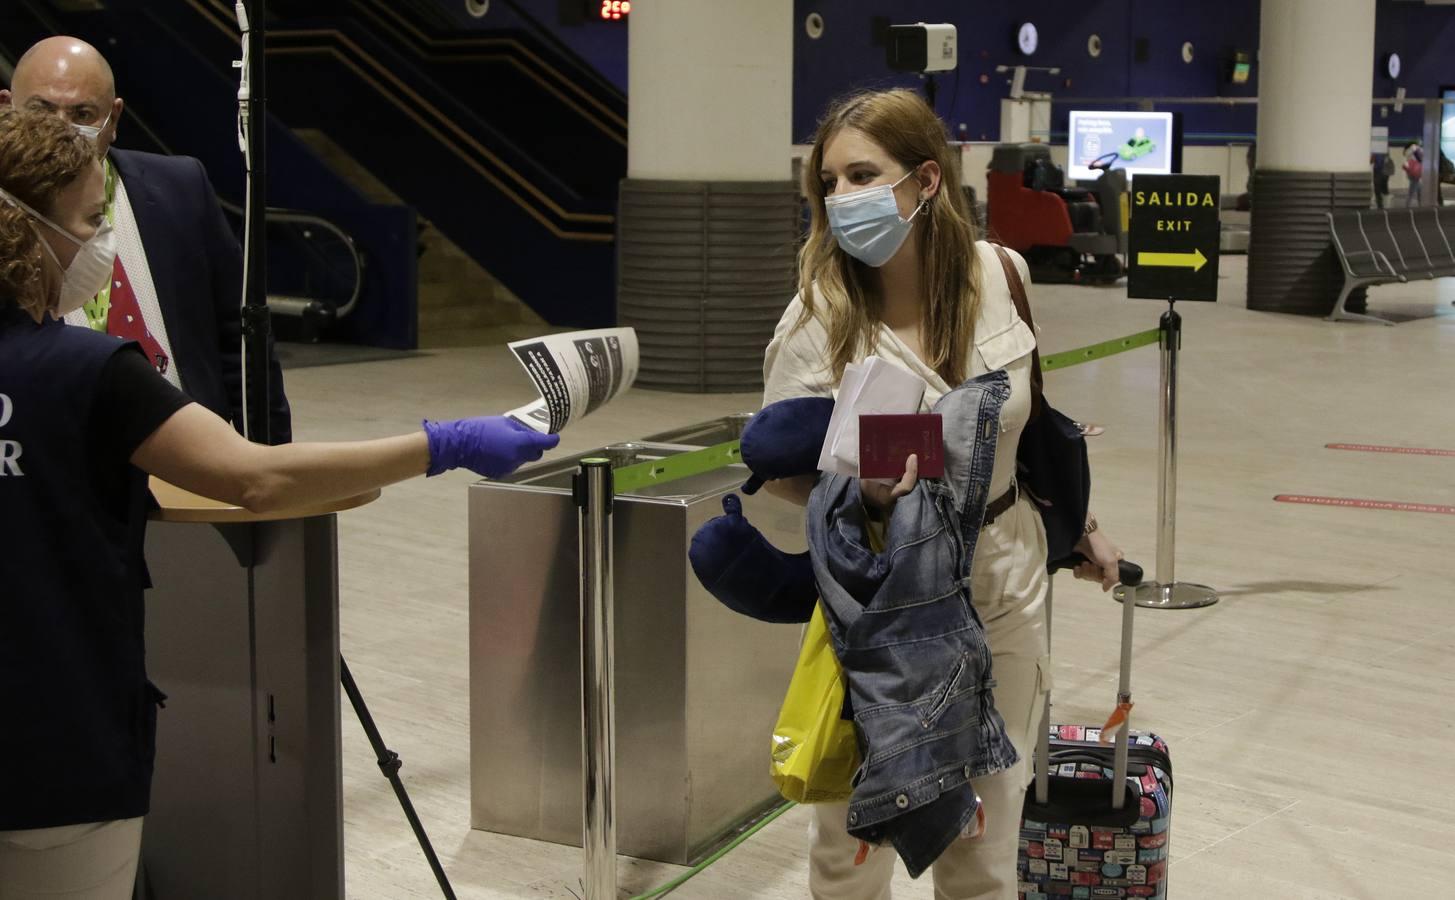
x,y
1194,260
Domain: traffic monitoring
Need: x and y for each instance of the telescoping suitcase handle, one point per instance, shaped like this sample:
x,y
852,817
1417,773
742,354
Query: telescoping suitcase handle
x,y
1119,726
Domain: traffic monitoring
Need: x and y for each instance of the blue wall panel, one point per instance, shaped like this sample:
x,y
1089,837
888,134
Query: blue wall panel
x,y
846,59
1424,38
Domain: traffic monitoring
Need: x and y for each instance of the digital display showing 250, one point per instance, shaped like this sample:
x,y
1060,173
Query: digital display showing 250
x,y
614,10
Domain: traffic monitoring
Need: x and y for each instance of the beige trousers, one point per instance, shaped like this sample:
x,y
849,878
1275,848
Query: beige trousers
x,y
1009,584
73,862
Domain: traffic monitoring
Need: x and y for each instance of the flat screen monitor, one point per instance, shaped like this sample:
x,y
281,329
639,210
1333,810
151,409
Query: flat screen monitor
x,y
1139,142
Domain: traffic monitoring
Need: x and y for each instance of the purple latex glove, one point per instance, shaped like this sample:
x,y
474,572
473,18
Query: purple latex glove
x,y
486,445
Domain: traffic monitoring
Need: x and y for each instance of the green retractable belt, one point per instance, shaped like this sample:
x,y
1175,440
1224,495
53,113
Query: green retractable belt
x,y
633,478
630,479
1099,351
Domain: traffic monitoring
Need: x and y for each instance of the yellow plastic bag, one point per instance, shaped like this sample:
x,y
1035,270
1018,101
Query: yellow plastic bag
x,y
815,752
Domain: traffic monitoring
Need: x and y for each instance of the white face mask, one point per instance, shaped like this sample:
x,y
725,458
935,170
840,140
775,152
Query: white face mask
x,y
867,223
91,269
92,132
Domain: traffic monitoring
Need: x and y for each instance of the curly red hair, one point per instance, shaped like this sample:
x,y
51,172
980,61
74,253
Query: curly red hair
x,y
40,155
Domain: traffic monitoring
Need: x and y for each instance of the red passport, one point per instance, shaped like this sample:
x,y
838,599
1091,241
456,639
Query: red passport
x,y
885,442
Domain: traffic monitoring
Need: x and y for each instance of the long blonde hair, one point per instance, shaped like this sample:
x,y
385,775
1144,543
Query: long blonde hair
x,y
842,291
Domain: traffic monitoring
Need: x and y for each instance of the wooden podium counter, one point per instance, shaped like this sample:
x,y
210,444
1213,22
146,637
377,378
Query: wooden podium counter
x,y
242,636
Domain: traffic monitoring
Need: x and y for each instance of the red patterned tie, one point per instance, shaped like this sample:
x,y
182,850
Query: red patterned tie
x,y
126,322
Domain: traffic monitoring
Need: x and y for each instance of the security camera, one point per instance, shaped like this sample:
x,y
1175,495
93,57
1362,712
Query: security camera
x,y
922,48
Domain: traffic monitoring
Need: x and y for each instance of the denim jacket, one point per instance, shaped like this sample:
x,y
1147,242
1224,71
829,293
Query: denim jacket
x,y
912,646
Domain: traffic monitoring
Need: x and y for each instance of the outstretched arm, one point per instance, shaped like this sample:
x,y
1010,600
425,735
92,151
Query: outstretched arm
x,y
197,451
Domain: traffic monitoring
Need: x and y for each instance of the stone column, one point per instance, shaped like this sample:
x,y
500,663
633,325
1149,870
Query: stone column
x,y
709,217
1315,85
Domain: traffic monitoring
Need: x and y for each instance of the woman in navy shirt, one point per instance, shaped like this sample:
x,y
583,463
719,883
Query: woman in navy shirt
x,y
84,418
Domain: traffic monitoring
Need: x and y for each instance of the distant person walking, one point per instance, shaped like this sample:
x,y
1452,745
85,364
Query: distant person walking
x,y
1383,167
1414,167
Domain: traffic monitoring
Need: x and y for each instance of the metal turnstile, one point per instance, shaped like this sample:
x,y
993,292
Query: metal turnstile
x,y
697,686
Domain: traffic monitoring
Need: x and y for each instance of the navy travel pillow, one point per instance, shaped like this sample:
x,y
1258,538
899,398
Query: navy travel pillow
x,y
747,574
731,558
784,438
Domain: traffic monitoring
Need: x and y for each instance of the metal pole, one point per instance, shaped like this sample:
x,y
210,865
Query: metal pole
x,y
256,323
1124,696
592,490
1430,137
1171,327
1165,592
1043,736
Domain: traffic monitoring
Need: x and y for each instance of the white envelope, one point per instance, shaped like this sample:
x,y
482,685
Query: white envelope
x,y
873,387
848,388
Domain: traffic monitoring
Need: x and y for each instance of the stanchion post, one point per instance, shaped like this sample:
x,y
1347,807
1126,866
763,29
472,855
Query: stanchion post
x,y
1043,734
1170,342
1165,592
593,493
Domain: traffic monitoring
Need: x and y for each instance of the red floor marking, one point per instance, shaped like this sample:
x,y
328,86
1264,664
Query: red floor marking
x,y
1378,448
1366,504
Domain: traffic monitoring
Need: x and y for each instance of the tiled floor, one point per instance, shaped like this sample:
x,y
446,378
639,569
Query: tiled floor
x,y
1311,713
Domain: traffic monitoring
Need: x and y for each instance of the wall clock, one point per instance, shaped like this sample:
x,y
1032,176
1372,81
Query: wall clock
x,y
1027,38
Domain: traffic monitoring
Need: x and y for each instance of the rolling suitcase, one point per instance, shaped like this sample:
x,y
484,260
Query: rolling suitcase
x,y
1097,822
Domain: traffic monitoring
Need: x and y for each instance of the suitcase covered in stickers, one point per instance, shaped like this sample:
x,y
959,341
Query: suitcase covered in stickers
x,y
1097,821
1075,844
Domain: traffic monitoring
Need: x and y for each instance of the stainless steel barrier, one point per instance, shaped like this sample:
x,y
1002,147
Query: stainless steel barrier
x,y
697,687
1166,592
592,492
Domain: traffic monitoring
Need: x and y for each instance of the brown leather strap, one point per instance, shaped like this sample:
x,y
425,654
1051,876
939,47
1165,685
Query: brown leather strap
x,y
1000,504
1023,307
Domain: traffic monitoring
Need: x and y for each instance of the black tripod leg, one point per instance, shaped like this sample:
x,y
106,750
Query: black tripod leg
x,y
389,764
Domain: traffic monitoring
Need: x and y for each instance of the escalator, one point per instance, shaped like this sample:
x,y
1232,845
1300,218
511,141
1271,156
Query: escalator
x,y
565,117
501,157
316,272
507,144
320,281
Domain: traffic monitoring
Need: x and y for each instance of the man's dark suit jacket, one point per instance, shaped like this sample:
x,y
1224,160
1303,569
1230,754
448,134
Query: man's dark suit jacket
x,y
196,265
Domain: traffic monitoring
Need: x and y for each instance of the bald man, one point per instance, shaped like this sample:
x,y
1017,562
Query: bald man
x,y
177,284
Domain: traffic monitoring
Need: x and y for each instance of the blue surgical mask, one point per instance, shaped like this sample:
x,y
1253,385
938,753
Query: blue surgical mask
x,y
867,223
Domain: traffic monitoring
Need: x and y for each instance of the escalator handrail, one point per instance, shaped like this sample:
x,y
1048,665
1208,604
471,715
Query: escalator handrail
x,y
538,30
528,52
301,217
464,145
514,161
548,37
